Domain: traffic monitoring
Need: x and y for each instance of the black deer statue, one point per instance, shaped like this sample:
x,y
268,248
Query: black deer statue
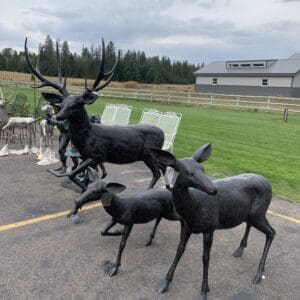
x,y
100,143
139,208
230,202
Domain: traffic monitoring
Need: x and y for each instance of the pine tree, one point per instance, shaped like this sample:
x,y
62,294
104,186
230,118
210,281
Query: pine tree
x,y
133,65
65,59
48,58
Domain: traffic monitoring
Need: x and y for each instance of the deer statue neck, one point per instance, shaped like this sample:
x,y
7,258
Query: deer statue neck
x,y
112,204
79,128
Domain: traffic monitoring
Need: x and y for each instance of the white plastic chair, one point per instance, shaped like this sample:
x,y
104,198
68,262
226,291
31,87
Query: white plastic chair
x,y
169,123
150,117
122,114
108,115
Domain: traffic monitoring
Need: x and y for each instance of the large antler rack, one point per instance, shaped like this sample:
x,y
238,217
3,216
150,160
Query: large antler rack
x,y
101,74
60,86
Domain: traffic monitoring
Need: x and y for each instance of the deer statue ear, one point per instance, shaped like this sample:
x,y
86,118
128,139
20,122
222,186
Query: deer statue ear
x,y
89,97
93,174
52,98
202,153
115,187
164,157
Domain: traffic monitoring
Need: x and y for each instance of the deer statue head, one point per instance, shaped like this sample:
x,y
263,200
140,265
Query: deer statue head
x,y
71,106
189,172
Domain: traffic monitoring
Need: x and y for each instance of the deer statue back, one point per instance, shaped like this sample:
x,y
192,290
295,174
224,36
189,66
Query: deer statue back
x,y
228,203
100,143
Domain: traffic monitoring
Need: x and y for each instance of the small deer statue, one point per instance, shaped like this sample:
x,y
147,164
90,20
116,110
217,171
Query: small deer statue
x,y
228,203
141,207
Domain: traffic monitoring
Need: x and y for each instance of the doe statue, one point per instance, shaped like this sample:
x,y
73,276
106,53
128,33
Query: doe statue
x,y
222,204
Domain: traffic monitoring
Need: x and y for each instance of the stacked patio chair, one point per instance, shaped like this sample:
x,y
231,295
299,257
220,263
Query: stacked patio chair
x,y
18,108
168,122
116,114
150,117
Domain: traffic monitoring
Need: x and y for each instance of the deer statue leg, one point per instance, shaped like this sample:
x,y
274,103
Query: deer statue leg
x,y
184,237
104,173
239,251
62,147
207,242
112,268
153,166
263,226
152,234
111,224
78,170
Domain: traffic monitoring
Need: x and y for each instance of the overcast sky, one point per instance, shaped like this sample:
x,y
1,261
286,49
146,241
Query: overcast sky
x,y
193,30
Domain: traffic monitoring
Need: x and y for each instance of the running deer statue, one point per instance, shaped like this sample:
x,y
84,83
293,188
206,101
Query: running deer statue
x,y
226,204
138,208
100,143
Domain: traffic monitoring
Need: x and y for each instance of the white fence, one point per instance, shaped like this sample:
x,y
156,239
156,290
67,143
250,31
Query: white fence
x,y
191,98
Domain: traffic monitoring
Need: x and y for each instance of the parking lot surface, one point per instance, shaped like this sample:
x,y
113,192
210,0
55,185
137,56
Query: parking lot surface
x,y
56,259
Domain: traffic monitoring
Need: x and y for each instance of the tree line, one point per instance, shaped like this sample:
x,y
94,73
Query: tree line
x,y
133,65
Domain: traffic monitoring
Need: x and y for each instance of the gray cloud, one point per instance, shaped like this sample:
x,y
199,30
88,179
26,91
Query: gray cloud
x,y
159,27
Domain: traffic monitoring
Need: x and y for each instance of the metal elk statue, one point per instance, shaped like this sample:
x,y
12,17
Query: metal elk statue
x,y
100,143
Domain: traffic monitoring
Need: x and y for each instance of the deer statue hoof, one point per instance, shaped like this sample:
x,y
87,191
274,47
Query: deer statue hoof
x,y
238,252
148,242
164,287
74,218
258,278
110,268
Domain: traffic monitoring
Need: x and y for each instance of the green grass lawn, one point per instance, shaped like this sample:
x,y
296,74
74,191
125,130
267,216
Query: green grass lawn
x,y
242,141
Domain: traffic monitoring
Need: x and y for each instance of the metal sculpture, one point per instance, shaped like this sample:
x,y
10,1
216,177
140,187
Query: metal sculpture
x,y
46,129
9,124
100,143
230,202
139,208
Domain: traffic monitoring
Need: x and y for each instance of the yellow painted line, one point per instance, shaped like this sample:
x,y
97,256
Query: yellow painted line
x,y
43,218
88,207
291,219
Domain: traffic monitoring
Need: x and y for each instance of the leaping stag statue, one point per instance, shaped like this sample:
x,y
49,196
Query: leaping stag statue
x,y
100,143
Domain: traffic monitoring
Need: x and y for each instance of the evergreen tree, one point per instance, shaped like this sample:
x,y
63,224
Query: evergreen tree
x,y
133,65
66,60
48,58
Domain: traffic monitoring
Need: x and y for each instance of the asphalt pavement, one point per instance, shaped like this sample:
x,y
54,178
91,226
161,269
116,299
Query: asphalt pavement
x,y
56,259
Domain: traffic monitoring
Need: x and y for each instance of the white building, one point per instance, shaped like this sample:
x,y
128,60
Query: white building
x,y
270,77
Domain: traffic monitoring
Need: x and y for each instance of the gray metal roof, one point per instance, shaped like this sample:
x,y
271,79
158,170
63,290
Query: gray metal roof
x,y
279,67
295,56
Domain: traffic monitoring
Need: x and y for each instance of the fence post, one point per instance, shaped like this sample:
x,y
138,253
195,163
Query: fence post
x,y
285,114
237,102
151,96
136,93
189,98
268,104
169,97
211,100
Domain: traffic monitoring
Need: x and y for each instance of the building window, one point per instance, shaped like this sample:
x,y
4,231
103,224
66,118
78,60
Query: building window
x,y
245,65
264,82
215,81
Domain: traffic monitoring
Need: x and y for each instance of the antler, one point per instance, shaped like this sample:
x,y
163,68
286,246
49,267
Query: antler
x,y
60,86
101,74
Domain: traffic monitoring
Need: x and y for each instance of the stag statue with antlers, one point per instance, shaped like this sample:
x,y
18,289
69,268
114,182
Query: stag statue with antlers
x,y
100,143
